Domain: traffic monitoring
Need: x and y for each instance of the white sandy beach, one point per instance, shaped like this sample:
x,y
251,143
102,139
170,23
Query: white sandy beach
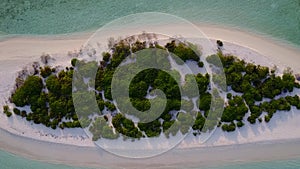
x,y
18,52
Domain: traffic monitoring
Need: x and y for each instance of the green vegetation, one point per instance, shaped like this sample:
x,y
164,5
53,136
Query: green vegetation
x,y
182,51
199,122
254,82
49,95
100,128
236,110
219,43
48,108
147,79
28,93
46,71
6,111
228,127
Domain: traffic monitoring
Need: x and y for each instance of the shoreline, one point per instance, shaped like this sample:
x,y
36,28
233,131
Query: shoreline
x,y
61,45
21,127
274,49
263,44
186,157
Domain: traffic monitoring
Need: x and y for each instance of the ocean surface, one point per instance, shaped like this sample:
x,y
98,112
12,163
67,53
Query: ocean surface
x,y
279,19
276,18
284,164
9,161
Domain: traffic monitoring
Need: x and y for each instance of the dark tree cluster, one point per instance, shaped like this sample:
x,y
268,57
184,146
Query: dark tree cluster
x,y
144,82
183,51
271,107
254,83
199,122
48,108
156,79
235,111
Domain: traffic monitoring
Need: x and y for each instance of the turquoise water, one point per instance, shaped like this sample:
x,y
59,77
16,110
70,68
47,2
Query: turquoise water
x,y
276,18
287,164
10,161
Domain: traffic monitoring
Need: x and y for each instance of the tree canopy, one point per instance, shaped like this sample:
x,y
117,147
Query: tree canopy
x,y
255,96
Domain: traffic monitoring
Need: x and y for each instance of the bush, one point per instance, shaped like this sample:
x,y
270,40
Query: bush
x,y
17,111
267,118
240,124
27,93
62,126
205,101
110,106
46,71
200,64
229,95
255,111
6,111
28,118
183,51
229,128
106,56
73,62
8,114
199,122
53,126
5,108
260,120
23,113
219,43
251,119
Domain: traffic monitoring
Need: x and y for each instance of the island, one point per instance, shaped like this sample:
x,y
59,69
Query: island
x,y
45,96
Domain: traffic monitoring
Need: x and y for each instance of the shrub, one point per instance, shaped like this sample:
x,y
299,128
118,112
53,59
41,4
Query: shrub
x,y
267,118
251,119
73,62
23,113
27,93
200,64
229,128
6,111
16,111
240,124
219,43
260,120
5,108
205,101
229,95
8,114
46,71
106,56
